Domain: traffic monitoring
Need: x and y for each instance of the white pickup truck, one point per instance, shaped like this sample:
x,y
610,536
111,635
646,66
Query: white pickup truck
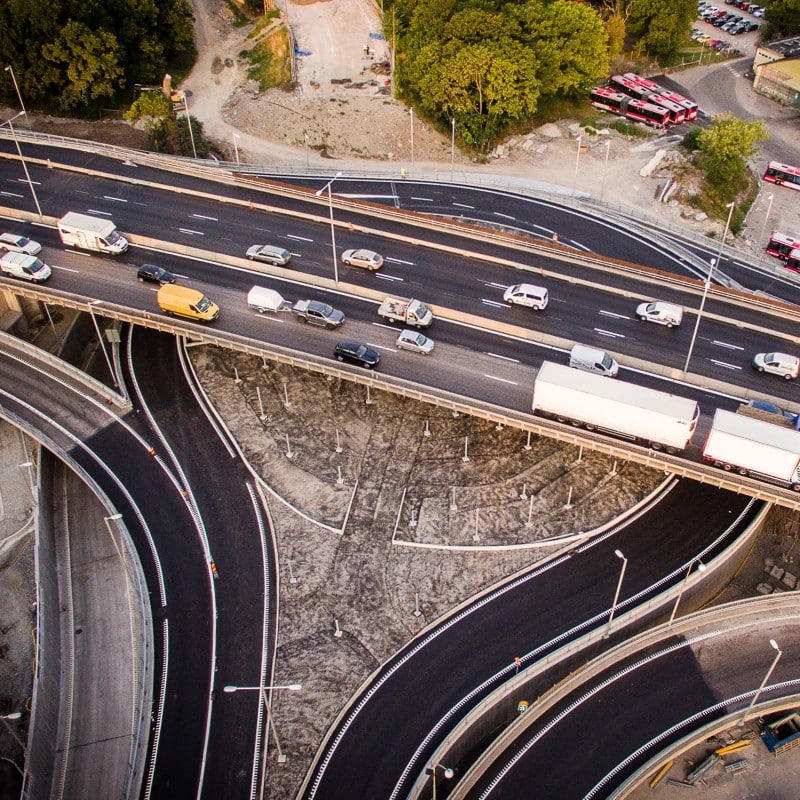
x,y
409,312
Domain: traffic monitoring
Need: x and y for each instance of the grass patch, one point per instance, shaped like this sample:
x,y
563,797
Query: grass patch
x,y
270,59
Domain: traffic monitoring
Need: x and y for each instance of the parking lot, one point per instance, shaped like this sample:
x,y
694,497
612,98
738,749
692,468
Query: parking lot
x,y
713,28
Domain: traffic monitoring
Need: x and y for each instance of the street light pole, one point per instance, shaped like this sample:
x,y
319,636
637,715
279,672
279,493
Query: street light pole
x,y
774,645
701,567
714,263
189,122
577,161
452,146
262,690
102,344
16,87
14,715
333,230
22,160
448,773
236,149
411,112
618,554
305,142
770,198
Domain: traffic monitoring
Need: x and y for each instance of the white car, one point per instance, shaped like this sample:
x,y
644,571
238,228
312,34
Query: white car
x,y
526,294
661,313
368,259
19,244
414,341
778,364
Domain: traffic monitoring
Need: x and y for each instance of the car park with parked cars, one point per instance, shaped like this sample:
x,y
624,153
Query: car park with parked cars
x,y
366,259
357,353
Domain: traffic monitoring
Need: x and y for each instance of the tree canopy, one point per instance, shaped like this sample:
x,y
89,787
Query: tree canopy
x,y
783,17
75,55
487,65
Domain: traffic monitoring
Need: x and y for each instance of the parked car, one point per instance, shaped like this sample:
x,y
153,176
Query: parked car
x,y
759,12
750,26
781,364
696,33
771,408
722,47
703,39
368,259
356,353
19,244
414,341
712,44
269,254
150,273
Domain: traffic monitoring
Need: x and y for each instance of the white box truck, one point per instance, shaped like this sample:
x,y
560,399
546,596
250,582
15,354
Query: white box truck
x,y
657,419
754,447
409,312
91,233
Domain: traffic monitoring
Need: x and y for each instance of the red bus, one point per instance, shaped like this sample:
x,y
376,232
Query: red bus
x,y
690,106
608,100
783,175
620,83
780,245
654,116
793,260
677,113
650,85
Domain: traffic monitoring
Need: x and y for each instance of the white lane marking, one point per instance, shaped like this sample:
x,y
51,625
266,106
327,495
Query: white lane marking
x,y
272,318
114,199
66,269
612,314
492,303
203,216
724,365
463,205
389,278
613,335
95,211
504,358
299,238
502,380
422,199
367,196
399,261
504,216
25,180
726,345
502,286
385,347
10,194
191,232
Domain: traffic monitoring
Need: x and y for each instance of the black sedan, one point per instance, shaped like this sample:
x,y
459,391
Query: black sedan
x,y
357,353
153,274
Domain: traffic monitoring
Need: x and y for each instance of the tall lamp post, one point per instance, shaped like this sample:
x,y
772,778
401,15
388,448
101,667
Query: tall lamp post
x,y
292,687
16,87
452,146
448,773
701,567
24,165
770,198
189,122
102,344
333,231
778,653
411,112
714,263
236,149
618,554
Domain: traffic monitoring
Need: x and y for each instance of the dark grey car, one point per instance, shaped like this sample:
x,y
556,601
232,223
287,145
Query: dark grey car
x,y
153,274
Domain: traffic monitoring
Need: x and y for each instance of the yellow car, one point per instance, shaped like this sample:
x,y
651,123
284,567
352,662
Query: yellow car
x,y
703,39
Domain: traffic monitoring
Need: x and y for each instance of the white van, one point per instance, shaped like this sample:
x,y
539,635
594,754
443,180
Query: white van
x,y
590,359
262,299
526,294
661,313
20,265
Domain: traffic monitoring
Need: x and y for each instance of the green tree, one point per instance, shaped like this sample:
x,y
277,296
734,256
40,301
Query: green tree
x,y
661,26
152,109
783,17
723,150
180,142
90,60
